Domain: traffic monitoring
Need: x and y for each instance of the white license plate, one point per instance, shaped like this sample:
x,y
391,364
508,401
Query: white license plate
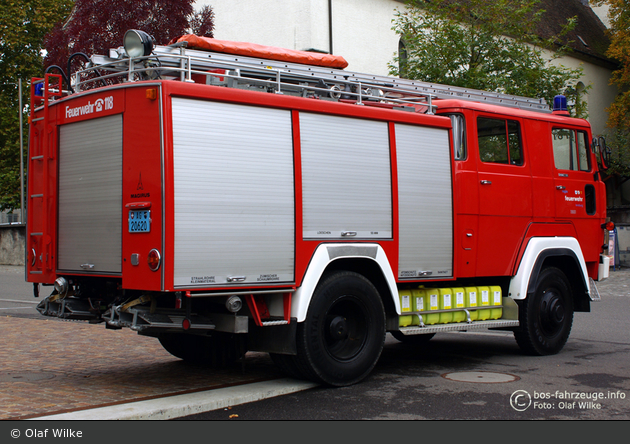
x,y
139,221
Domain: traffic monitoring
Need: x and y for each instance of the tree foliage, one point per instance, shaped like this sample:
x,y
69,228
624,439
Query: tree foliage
x,y
483,45
95,26
619,112
23,25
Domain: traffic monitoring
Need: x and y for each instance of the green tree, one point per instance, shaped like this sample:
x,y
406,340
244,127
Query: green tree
x,y
618,137
23,25
490,46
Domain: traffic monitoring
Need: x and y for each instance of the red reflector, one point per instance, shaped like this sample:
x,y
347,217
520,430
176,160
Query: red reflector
x,y
154,259
186,324
609,226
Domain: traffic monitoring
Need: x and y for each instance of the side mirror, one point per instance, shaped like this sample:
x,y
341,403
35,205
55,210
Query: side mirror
x,y
599,146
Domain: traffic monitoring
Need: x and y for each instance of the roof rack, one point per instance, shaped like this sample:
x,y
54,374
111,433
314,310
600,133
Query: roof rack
x,y
177,61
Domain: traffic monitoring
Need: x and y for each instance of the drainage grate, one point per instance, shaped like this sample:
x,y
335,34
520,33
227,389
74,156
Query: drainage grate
x,y
481,377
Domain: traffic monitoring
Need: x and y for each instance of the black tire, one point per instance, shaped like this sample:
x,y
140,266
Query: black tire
x,y
218,350
412,339
343,335
546,317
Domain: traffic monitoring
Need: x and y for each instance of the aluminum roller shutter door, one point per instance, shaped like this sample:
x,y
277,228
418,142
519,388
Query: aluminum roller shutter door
x,y
346,177
425,203
90,195
234,193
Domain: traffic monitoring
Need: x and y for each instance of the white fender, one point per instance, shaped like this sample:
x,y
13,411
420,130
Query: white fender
x,y
535,247
327,253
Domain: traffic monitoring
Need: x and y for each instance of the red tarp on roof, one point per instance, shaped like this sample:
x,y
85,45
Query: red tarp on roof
x,y
262,52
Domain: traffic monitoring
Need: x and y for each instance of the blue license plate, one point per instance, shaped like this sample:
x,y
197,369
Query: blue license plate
x,y
139,221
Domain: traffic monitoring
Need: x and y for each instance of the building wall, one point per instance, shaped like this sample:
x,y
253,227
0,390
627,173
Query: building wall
x,y
12,244
600,95
362,31
362,34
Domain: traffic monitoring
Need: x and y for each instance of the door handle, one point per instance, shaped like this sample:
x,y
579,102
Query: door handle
x,y
560,187
486,182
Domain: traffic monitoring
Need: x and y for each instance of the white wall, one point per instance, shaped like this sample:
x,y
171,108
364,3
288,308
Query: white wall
x,y
599,96
362,34
362,28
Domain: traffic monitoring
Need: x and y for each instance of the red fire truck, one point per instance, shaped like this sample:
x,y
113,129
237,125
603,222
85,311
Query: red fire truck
x,y
226,197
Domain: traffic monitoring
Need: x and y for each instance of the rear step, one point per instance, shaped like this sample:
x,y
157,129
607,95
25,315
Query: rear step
x,y
70,308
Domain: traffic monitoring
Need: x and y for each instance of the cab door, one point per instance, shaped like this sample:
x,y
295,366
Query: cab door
x,y
505,192
574,182
579,192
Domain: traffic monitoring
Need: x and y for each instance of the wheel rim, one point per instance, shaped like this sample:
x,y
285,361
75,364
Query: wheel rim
x,y
552,313
345,329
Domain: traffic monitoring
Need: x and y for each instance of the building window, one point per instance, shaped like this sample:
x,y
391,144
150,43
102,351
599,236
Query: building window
x,y
402,59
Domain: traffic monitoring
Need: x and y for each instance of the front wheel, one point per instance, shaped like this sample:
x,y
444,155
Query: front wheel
x,y
546,316
343,335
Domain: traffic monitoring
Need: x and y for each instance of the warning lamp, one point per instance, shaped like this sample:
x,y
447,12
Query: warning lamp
x,y
138,43
560,105
154,260
39,89
609,226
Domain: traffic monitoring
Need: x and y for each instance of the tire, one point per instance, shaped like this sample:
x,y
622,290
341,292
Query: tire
x,y
343,335
218,350
546,316
412,339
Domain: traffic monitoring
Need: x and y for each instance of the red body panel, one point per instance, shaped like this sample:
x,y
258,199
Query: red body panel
x,y
496,207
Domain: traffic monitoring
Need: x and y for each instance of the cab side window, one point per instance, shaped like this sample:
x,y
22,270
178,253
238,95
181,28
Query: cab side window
x,y
459,136
570,149
499,141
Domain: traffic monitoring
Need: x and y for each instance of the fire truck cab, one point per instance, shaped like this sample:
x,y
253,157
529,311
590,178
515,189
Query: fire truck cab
x,y
272,201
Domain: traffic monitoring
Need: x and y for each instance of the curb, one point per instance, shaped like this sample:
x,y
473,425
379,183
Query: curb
x,y
171,407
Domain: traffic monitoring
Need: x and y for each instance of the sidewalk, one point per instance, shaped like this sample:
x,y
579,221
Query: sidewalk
x,y
52,366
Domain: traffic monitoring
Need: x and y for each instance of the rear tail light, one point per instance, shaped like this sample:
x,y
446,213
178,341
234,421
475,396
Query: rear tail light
x,y
609,226
154,260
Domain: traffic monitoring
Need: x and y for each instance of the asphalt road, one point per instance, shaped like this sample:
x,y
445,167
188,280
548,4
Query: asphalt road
x,y
587,380
474,375
16,295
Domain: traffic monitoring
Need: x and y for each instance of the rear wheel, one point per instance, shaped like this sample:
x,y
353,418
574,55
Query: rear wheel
x,y
218,350
343,335
546,316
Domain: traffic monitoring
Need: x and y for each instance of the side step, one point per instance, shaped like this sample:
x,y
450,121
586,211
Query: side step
x,y
508,319
475,325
